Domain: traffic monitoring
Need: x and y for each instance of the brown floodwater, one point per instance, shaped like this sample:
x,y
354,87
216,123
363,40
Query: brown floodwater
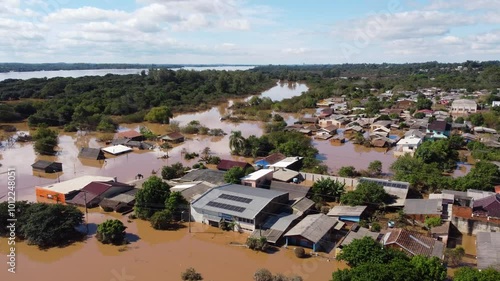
x,y
161,255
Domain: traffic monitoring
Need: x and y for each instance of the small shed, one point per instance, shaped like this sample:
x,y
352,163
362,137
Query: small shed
x,y
91,153
347,213
47,166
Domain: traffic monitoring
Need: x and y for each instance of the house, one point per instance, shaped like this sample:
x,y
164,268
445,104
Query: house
x,y
381,131
337,140
484,130
347,213
439,129
259,178
420,209
398,189
325,112
275,226
308,120
356,232
381,124
286,175
488,249
225,165
487,207
174,137
91,153
463,107
117,149
58,192
121,203
331,129
413,243
130,135
379,142
93,193
290,163
215,177
248,207
47,166
314,231
339,121
270,159
196,190
409,144
442,232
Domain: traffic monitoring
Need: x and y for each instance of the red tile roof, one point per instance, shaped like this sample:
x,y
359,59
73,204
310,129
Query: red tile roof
x,y
490,204
128,134
414,243
228,164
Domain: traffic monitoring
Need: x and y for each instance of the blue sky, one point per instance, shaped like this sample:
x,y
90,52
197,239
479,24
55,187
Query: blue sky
x,y
249,31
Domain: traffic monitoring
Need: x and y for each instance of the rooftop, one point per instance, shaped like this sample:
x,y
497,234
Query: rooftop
x,y
488,250
91,153
354,211
358,232
463,102
117,149
302,204
257,174
226,164
208,175
294,190
75,184
313,227
286,162
423,206
414,243
236,200
128,134
285,175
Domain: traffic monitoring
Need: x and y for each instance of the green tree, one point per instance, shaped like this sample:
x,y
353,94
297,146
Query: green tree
x,y
111,232
433,222
191,275
375,168
107,125
162,220
423,103
50,225
366,193
151,197
327,190
237,143
161,114
472,274
176,170
476,119
429,269
175,203
454,256
45,140
440,152
234,175
348,171
459,120
367,250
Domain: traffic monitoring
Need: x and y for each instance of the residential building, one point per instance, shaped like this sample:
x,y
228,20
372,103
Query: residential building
x,y
225,165
413,243
57,192
130,135
215,177
439,129
302,206
93,193
463,107
314,231
290,163
348,213
356,232
174,137
91,153
420,209
117,149
294,190
259,178
270,159
488,207
409,144
275,226
249,207
488,250
121,203
47,166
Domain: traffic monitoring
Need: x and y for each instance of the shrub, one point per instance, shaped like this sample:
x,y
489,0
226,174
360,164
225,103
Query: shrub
x,y
191,275
70,128
299,253
257,244
161,220
111,232
376,227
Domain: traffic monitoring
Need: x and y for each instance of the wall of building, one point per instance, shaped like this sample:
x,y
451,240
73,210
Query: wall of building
x,y
472,226
46,195
314,177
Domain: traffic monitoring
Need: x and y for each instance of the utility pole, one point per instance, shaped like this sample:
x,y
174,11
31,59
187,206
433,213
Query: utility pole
x,y
86,212
189,217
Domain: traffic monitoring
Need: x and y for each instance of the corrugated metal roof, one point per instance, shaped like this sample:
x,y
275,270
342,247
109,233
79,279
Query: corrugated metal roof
x,y
208,175
423,206
354,211
259,198
91,153
313,227
488,250
258,174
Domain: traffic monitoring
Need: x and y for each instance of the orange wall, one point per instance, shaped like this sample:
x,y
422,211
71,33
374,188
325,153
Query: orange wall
x,y
43,195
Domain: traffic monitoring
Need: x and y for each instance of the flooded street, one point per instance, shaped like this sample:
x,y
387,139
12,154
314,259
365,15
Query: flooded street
x,y
161,255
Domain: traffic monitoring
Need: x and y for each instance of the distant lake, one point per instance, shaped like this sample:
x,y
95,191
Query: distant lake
x,y
100,72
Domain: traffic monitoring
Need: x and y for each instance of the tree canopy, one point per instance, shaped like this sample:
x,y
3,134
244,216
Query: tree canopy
x,y
111,231
327,190
151,197
366,193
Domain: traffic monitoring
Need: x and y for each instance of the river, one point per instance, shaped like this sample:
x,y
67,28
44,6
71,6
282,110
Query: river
x,y
100,72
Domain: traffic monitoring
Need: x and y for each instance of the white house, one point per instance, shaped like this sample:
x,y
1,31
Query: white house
x,y
463,106
409,144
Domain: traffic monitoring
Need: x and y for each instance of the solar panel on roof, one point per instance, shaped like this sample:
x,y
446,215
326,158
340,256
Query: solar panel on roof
x,y
226,206
235,198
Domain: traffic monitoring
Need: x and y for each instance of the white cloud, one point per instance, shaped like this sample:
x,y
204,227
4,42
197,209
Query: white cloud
x,y
295,51
84,14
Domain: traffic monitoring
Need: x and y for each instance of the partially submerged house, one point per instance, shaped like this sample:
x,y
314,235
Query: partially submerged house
x,y
356,232
413,243
91,153
47,166
130,135
93,193
215,177
248,207
121,203
174,137
315,232
409,144
58,192
117,149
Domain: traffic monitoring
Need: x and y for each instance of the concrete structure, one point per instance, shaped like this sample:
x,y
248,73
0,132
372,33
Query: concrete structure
x,y
208,175
247,206
269,160
314,231
347,213
463,106
488,250
259,178
58,192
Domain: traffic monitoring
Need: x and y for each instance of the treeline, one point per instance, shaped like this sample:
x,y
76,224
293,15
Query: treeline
x,y
22,67
86,101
